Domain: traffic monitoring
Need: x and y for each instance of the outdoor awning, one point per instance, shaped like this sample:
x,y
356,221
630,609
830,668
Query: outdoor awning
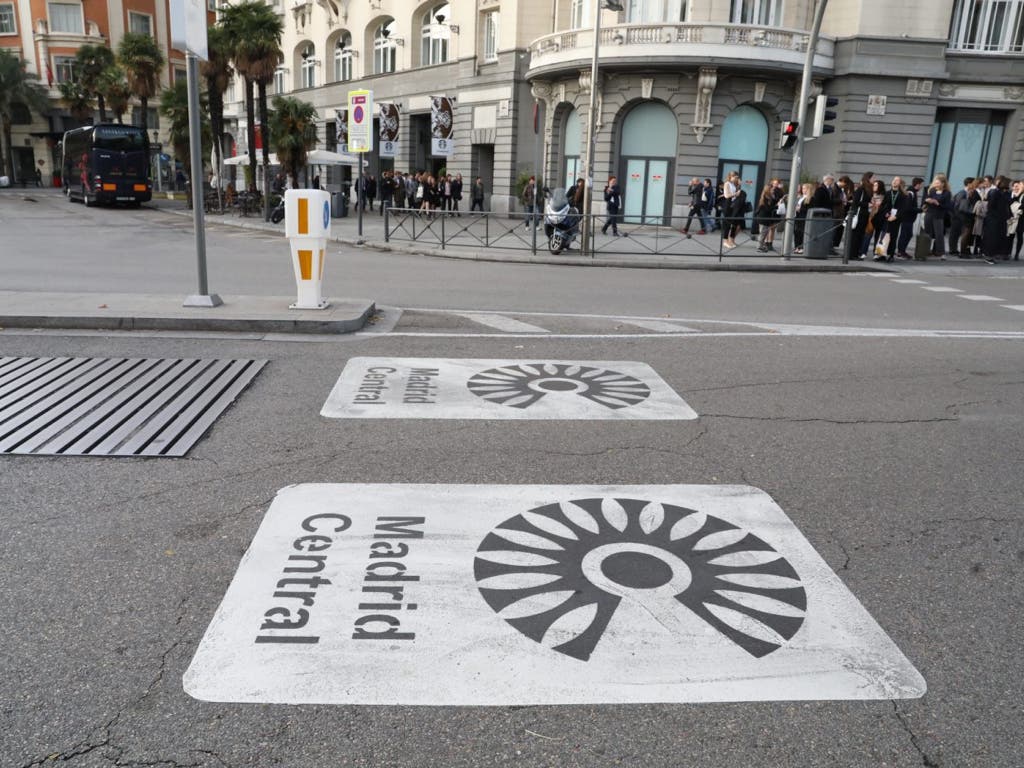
x,y
244,160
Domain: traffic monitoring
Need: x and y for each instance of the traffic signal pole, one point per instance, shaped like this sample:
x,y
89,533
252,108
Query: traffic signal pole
x,y
801,119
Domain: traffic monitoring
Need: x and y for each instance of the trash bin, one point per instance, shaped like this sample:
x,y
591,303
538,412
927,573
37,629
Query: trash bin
x,y
339,205
818,232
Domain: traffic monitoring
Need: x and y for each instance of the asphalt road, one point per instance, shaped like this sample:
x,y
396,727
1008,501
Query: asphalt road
x,y
897,457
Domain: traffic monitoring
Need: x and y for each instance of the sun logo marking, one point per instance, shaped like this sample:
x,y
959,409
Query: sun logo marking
x,y
559,572
520,386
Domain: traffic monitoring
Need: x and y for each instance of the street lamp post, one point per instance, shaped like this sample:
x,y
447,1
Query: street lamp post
x,y
588,186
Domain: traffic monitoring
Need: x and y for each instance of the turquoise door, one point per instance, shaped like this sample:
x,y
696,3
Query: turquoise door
x,y
744,149
647,158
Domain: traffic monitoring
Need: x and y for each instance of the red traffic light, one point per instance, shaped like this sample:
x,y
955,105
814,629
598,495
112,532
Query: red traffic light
x,y
790,131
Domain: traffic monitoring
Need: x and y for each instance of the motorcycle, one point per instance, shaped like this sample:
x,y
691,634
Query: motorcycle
x,y
561,222
277,215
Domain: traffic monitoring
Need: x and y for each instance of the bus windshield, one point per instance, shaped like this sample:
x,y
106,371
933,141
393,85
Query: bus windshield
x,y
120,138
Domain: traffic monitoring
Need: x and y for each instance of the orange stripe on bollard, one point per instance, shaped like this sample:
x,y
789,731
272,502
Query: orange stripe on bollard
x,y
303,221
305,262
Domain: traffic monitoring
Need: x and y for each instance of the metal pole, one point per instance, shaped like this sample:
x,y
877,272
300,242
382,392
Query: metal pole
x,y
588,171
359,198
203,298
801,118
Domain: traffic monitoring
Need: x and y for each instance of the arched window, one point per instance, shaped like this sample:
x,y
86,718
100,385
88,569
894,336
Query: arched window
x,y
343,56
384,55
308,70
435,34
655,11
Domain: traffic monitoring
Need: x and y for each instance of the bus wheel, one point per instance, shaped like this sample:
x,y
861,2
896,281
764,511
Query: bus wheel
x,y
89,202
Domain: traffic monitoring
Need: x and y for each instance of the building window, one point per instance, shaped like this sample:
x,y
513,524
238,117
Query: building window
x,y
180,75
278,83
211,5
64,69
66,17
229,94
766,13
988,26
343,55
579,14
308,67
435,35
491,36
384,55
655,11
153,117
966,142
140,23
7,24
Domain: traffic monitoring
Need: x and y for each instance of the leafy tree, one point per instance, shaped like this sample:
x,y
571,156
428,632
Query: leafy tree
x,y
174,106
142,60
217,72
77,99
255,29
91,61
18,88
293,127
114,88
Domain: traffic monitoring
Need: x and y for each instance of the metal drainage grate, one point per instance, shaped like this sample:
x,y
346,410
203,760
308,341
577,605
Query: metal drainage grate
x,y
94,406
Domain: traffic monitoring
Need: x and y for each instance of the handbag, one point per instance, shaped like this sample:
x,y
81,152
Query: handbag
x,y
870,228
856,218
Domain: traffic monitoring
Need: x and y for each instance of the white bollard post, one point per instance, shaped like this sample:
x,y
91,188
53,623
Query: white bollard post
x,y
307,224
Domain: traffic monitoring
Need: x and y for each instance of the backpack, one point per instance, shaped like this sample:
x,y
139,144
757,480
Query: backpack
x,y
962,203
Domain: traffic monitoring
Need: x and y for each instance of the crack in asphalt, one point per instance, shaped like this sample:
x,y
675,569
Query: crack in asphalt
x,y
856,422
926,760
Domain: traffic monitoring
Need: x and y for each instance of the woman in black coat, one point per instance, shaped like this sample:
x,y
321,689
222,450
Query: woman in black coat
x,y
996,243
860,207
937,204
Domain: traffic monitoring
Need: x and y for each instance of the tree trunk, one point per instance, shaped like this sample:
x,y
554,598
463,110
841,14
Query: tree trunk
x,y
103,107
250,116
145,112
5,150
265,138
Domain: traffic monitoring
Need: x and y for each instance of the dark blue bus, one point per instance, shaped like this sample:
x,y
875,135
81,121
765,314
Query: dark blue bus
x,y
107,163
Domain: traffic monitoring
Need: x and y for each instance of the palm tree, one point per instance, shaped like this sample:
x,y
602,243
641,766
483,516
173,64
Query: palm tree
x,y
77,99
217,71
114,88
293,126
91,61
256,31
174,106
18,88
142,61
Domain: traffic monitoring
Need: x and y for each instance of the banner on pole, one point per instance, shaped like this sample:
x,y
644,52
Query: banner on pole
x,y
360,121
390,126
442,125
341,127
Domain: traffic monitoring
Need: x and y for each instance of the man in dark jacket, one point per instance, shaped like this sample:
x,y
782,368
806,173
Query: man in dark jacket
x,y
613,202
477,195
696,192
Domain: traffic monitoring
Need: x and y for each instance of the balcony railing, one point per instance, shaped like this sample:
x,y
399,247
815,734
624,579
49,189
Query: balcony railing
x,y
765,45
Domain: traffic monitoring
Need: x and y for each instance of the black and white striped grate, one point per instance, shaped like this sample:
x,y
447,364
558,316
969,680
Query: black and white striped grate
x,y
94,406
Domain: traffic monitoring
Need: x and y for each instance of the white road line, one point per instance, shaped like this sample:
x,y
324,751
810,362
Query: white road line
x,y
808,332
978,297
503,323
942,289
910,282
661,327
1018,307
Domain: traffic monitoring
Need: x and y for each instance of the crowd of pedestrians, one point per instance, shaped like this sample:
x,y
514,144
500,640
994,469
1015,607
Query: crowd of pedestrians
x,y
420,191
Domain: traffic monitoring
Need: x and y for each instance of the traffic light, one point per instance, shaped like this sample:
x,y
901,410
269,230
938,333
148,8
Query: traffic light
x,y
789,133
823,115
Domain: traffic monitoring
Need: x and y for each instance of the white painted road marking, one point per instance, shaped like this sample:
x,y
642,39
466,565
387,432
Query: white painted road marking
x,y
503,323
538,595
978,297
661,326
942,289
910,282
1018,307
439,388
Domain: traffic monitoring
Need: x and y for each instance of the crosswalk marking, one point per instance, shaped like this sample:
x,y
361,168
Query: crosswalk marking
x,y
661,326
503,323
1018,307
941,289
979,297
911,282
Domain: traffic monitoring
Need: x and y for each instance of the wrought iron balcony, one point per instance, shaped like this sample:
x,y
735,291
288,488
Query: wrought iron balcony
x,y
705,44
